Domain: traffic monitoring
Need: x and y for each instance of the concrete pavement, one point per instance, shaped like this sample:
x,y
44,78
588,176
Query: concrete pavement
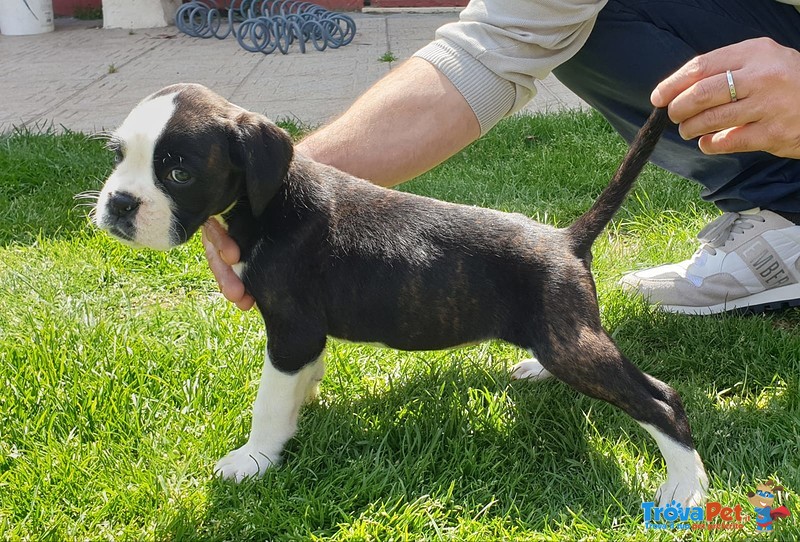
x,y
84,78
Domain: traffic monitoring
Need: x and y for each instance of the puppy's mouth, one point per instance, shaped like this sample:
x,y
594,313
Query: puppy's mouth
x,y
127,232
140,220
121,233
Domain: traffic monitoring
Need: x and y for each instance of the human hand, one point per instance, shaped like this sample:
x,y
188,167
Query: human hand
x,y
766,115
222,253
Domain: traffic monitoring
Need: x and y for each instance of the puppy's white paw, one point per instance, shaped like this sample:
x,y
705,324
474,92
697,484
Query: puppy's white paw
x,y
245,462
529,369
687,490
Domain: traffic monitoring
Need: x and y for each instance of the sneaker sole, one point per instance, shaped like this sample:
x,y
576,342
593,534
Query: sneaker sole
x,y
768,300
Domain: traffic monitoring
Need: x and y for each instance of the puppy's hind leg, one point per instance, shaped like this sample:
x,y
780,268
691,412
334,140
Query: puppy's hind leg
x,y
275,412
589,361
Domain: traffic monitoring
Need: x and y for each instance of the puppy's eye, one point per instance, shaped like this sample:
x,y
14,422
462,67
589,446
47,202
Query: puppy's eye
x,y
118,156
179,176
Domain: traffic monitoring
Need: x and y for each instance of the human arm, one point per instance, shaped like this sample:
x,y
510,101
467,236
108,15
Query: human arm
x,y
478,70
440,100
766,115
407,123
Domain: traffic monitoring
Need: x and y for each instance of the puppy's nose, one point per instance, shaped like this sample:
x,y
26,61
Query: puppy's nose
x,y
122,204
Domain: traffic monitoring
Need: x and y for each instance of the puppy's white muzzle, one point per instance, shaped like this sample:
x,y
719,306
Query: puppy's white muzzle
x,y
137,213
131,205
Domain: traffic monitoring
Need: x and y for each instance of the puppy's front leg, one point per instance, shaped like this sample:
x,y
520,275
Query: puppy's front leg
x,y
530,369
275,411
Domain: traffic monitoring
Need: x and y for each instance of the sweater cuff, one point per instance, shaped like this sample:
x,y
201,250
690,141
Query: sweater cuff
x,y
490,96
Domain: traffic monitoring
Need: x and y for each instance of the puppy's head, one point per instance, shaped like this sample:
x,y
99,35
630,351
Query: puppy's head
x,y
185,154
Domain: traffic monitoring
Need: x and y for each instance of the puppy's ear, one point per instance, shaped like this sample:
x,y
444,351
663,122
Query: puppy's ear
x,y
264,152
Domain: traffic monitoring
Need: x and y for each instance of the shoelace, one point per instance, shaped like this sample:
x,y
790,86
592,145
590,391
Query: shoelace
x,y
723,229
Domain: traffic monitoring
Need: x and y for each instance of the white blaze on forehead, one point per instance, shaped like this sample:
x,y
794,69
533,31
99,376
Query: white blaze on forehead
x,y
147,120
138,136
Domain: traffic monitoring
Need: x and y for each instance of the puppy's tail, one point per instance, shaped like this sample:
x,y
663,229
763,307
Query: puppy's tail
x,y
586,229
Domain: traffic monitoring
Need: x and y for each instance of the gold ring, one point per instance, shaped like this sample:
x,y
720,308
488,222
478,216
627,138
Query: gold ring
x,y
731,86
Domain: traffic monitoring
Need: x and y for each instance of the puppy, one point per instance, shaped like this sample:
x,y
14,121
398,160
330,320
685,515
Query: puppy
x,y
326,254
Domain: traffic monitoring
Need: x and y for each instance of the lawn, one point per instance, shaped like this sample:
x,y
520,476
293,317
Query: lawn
x,y
124,376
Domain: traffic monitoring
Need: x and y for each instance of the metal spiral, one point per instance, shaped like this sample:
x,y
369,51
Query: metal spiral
x,y
266,25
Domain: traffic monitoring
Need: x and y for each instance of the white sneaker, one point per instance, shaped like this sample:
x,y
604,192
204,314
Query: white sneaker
x,y
748,261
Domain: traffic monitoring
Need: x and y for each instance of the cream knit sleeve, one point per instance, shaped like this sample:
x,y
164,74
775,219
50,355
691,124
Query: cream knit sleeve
x,y
499,48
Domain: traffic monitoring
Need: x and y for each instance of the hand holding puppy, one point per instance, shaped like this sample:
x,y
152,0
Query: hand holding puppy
x,y
222,252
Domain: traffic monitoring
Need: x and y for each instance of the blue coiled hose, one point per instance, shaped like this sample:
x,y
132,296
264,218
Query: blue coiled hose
x,y
266,25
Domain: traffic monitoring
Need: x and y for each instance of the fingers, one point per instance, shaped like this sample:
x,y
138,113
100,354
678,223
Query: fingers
x,y
713,64
699,96
229,283
219,238
718,118
751,137
764,117
246,303
709,93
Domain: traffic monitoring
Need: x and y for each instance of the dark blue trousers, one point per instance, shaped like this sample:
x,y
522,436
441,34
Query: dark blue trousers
x,y
636,44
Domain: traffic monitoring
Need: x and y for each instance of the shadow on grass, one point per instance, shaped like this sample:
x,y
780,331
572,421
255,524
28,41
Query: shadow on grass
x,y
453,445
739,378
449,443
436,449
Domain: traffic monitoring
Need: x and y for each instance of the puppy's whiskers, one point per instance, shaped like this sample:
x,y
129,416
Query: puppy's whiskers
x,y
113,143
87,199
103,135
175,231
93,195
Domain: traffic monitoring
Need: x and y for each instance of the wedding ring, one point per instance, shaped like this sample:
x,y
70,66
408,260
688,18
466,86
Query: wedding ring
x,y
731,86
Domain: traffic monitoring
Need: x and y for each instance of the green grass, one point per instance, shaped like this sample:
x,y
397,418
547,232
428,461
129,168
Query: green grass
x,y
124,376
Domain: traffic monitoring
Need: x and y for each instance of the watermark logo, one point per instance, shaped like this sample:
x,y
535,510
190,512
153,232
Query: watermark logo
x,y
716,516
762,500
